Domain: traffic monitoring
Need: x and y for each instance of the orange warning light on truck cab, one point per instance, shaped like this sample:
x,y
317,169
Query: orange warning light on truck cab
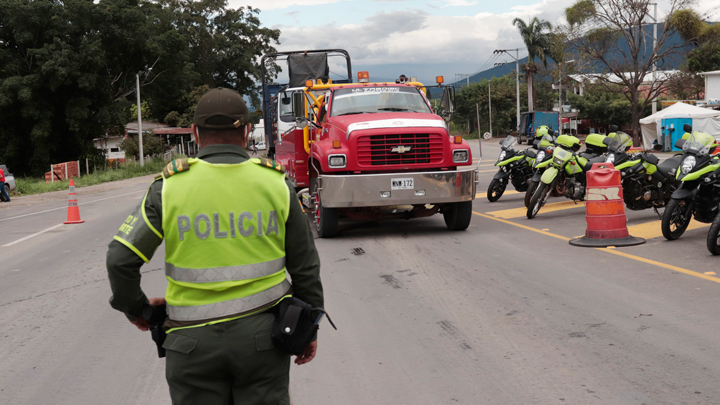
x,y
363,77
439,79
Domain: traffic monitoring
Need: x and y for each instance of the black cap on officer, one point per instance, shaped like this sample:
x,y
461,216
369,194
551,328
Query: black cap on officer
x,y
221,109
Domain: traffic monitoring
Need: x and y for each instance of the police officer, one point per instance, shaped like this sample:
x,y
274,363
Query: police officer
x,y
232,228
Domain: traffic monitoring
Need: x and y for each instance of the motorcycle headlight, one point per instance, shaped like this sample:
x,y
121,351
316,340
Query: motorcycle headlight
x,y
559,162
688,164
540,156
610,158
502,155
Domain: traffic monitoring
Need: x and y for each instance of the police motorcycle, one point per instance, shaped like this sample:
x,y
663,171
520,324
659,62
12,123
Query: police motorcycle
x,y
566,173
515,166
698,193
545,144
646,183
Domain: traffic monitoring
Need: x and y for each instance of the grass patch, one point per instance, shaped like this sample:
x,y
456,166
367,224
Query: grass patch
x,y
27,186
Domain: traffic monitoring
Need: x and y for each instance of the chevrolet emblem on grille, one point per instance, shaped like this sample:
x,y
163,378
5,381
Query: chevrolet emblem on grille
x,y
401,149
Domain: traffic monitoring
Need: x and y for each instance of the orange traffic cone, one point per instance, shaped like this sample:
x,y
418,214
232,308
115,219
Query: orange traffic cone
x,y
73,210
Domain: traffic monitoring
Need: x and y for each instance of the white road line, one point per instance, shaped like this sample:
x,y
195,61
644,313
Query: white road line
x,y
32,236
62,208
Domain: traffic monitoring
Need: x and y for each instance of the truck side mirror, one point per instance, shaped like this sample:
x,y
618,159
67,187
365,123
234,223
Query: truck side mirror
x,y
448,100
286,100
298,100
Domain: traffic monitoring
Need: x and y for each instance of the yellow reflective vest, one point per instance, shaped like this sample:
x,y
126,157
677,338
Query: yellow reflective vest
x,y
224,228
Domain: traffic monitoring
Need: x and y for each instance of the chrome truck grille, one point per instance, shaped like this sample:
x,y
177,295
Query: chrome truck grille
x,y
399,149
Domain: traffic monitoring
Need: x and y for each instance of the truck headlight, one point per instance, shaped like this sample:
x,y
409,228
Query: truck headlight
x,y
462,156
688,164
336,161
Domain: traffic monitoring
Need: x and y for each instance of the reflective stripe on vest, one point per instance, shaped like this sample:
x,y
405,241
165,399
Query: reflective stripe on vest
x,y
229,273
230,307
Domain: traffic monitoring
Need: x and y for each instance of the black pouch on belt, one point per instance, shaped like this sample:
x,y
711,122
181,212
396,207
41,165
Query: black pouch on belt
x,y
295,327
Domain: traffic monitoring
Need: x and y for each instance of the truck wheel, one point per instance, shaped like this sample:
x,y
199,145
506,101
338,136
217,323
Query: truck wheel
x,y
458,216
326,219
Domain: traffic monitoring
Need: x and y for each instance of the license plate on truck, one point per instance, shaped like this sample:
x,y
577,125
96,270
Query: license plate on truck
x,y
402,184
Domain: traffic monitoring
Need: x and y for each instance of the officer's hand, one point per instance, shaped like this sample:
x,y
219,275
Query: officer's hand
x,y
308,354
142,323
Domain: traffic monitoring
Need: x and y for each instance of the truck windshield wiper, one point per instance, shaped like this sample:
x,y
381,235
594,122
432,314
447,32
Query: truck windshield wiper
x,y
352,113
392,109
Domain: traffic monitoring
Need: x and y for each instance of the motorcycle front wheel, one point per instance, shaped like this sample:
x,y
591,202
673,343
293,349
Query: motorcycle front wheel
x,y
538,199
713,237
532,186
496,189
676,218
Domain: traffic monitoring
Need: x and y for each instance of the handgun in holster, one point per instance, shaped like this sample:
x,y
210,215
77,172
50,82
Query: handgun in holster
x,y
157,318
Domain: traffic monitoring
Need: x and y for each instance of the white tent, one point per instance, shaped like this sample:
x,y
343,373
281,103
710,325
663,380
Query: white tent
x,y
703,120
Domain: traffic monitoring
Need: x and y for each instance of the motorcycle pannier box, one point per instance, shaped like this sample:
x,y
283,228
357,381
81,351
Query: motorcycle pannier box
x,y
594,144
567,141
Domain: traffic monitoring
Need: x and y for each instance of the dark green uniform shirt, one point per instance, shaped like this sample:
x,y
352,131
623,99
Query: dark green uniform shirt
x,y
123,265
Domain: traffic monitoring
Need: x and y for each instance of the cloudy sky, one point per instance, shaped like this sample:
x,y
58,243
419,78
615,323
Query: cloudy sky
x,y
422,38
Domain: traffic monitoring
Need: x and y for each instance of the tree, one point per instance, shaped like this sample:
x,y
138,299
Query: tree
x,y
602,106
610,38
538,43
473,98
68,68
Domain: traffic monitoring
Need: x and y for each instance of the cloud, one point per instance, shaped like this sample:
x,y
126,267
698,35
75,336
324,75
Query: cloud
x,y
277,4
451,3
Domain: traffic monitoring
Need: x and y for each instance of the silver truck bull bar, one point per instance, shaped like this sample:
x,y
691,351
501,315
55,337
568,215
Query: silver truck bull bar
x,y
377,190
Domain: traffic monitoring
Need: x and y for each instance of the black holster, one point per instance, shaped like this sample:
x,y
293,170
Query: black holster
x,y
156,321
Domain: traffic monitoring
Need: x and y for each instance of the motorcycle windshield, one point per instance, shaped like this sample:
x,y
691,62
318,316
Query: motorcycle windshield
x,y
510,141
620,142
698,143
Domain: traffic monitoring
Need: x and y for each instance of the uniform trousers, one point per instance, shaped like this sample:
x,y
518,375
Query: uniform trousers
x,y
229,361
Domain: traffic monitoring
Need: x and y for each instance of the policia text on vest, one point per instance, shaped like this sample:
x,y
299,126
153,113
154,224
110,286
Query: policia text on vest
x,y
245,223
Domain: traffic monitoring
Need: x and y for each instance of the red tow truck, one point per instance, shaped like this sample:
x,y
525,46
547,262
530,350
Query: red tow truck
x,y
363,150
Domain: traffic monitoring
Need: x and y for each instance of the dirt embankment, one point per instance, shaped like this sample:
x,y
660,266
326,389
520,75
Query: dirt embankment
x,y
63,195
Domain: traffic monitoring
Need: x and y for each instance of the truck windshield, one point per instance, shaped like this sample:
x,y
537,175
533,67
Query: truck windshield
x,y
369,100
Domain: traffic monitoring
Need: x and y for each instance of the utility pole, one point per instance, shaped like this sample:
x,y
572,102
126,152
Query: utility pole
x,y
477,111
489,108
460,76
517,78
137,85
560,111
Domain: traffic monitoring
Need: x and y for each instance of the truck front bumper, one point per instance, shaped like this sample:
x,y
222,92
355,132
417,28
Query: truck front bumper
x,y
376,190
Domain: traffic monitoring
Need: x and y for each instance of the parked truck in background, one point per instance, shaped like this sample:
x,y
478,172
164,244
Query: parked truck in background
x,y
364,150
529,121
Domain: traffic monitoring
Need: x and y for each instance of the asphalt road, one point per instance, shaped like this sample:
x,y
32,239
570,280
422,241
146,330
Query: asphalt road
x,y
506,312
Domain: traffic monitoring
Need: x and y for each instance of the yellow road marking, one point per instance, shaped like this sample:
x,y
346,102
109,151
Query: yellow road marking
x,y
507,192
521,212
611,251
650,230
